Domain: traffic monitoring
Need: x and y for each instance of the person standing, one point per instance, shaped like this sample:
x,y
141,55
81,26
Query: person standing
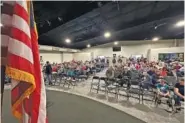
x,y
48,72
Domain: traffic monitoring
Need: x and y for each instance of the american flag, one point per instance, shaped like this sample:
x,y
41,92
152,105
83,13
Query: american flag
x,y
20,54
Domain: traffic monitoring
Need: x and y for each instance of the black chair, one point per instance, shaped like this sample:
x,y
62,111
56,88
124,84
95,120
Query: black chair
x,y
112,87
123,87
95,83
148,89
102,86
134,89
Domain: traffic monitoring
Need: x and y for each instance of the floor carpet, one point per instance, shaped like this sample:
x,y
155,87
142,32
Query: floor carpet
x,y
67,108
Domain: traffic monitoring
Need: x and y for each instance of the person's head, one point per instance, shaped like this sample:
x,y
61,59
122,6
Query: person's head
x,y
164,68
162,81
47,62
157,72
182,81
173,68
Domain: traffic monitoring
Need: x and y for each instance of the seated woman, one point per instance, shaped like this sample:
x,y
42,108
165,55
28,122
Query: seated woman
x,y
71,73
163,72
179,92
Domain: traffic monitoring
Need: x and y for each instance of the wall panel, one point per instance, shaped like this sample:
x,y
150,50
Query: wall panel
x,y
51,56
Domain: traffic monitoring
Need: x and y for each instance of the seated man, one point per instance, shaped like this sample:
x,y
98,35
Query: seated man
x,y
179,92
163,90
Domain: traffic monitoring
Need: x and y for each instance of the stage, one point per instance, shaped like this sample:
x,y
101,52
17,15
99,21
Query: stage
x,y
68,108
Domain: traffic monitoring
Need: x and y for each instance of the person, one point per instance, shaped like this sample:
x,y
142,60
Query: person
x,y
163,72
110,72
163,90
179,92
153,76
138,66
177,66
48,72
54,68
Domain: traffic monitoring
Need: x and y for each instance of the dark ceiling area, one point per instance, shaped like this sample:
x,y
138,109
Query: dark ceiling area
x,y
85,22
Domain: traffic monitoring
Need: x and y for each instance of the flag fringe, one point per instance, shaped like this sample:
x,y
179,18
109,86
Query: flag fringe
x,y
25,77
16,113
20,75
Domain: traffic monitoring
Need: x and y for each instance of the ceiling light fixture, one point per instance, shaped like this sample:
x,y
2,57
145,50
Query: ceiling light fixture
x,y
180,23
155,39
88,45
68,40
116,43
107,34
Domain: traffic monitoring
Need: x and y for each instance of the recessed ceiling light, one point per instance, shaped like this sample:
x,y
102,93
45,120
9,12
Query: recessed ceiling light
x,y
116,43
107,34
155,39
88,45
68,40
180,23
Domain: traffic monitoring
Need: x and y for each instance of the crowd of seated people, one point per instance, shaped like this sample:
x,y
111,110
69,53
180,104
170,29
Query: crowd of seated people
x,y
72,69
156,72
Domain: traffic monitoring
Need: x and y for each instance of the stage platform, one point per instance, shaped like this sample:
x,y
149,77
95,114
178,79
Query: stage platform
x,y
68,108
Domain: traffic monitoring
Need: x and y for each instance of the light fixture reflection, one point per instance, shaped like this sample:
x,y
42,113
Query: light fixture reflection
x,y
155,39
116,43
68,40
107,34
88,45
180,23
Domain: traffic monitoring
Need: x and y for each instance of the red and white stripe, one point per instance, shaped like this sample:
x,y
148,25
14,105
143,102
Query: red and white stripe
x,y
19,46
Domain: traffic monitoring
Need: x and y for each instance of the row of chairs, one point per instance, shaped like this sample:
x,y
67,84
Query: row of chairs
x,y
131,87
66,80
120,87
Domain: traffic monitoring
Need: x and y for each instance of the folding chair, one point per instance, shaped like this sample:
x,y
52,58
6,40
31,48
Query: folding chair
x,y
123,87
112,87
102,84
148,89
134,88
82,77
95,83
164,100
57,79
171,80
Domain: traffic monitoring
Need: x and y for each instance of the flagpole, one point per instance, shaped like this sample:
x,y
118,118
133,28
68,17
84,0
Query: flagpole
x,y
2,87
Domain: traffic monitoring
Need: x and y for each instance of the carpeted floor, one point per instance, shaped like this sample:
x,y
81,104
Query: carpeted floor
x,y
66,108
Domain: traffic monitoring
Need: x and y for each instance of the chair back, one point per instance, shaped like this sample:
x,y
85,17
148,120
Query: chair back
x,y
171,80
96,77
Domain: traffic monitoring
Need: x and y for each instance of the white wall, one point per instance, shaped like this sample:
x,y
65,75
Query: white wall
x,y
82,56
132,48
128,48
57,57
155,52
51,56
67,57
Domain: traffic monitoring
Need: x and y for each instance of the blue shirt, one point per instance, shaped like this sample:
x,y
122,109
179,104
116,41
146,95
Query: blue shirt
x,y
150,72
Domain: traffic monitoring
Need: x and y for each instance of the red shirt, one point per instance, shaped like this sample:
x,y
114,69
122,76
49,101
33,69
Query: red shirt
x,y
84,67
163,73
54,69
138,67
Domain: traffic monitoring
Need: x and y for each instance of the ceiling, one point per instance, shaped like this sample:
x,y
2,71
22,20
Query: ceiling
x,y
86,22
